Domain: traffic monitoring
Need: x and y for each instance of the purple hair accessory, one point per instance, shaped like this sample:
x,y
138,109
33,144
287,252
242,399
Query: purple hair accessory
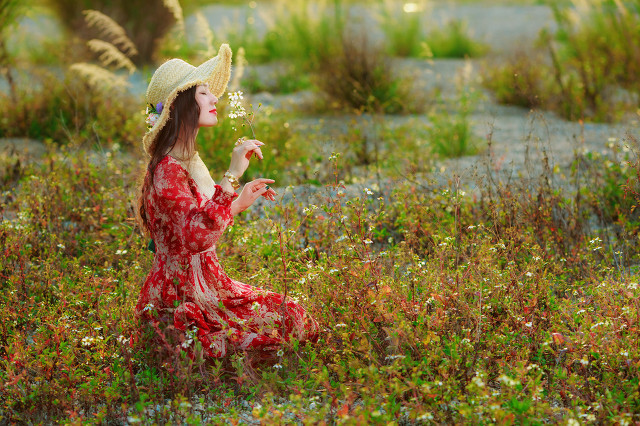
x,y
159,107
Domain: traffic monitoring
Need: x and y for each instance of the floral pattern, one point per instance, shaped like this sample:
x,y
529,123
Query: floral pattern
x,y
187,283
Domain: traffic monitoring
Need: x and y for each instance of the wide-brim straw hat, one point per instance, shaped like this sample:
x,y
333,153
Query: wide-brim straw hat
x,y
176,75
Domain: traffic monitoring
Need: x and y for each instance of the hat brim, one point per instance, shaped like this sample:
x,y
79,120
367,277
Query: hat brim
x,y
215,73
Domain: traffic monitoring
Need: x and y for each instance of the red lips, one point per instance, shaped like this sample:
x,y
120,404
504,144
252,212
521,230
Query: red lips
x,y
213,111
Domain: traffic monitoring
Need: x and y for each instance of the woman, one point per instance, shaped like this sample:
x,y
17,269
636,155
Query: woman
x,y
185,213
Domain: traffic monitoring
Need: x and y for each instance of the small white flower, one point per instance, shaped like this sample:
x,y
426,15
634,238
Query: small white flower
x,y
478,382
61,246
341,324
148,307
583,361
367,241
277,366
368,191
121,252
529,274
529,324
470,227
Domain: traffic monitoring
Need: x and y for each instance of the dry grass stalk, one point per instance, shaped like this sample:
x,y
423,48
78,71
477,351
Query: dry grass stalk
x,y
111,55
175,8
202,27
110,29
99,77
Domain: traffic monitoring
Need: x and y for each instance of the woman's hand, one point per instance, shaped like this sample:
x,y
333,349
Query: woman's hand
x,y
242,154
251,192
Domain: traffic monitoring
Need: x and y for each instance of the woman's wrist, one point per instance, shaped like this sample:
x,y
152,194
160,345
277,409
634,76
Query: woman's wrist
x,y
232,179
226,186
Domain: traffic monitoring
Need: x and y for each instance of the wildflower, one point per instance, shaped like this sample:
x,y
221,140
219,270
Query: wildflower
x,y
277,366
624,353
367,241
425,416
573,422
185,404
341,324
529,324
478,382
148,307
342,238
470,227
333,271
133,419
529,274
61,246
280,352
121,252
583,362
393,357
633,286
507,380
368,191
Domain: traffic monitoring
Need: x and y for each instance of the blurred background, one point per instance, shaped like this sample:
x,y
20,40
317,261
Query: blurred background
x,y
428,75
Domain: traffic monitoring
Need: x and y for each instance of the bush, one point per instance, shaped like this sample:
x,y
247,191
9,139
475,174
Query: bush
x,y
585,69
69,109
452,41
358,77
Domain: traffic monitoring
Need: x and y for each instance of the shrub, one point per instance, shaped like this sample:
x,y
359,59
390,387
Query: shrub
x,y
403,31
583,70
520,80
358,76
66,110
452,41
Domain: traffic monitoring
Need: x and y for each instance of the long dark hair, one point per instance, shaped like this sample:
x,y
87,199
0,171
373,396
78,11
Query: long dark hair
x,y
183,121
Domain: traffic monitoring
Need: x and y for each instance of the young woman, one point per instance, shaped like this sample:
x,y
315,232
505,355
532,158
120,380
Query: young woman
x,y
185,213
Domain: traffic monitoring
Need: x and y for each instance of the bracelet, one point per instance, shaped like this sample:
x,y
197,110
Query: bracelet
x,y
235,184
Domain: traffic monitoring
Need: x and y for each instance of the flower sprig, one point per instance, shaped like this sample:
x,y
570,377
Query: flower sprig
x,y
238,110
153,114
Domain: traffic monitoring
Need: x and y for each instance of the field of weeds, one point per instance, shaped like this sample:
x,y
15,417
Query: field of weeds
x,y
497,301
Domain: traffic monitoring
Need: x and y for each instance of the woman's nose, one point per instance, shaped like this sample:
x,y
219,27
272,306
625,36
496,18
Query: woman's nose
x,y
214,99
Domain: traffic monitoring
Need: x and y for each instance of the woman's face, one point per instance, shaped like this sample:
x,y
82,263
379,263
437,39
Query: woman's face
x,y
207,102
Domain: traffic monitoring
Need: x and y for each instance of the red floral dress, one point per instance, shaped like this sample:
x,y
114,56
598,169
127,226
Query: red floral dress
x,y
187,282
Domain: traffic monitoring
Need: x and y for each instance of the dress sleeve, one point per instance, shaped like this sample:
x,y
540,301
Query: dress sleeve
x,y
199,228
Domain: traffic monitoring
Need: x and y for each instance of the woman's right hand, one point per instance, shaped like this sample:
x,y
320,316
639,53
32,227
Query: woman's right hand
x,y
242,154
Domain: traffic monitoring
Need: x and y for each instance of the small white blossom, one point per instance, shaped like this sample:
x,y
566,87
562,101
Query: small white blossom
x,y
368,191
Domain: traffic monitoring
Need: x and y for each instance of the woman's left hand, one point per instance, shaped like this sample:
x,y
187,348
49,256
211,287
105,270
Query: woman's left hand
x,y
251,192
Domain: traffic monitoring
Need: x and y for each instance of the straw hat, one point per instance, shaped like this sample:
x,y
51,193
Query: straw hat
x,y
176,75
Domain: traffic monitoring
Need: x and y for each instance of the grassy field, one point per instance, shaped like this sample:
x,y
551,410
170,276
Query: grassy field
x,y
506,301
